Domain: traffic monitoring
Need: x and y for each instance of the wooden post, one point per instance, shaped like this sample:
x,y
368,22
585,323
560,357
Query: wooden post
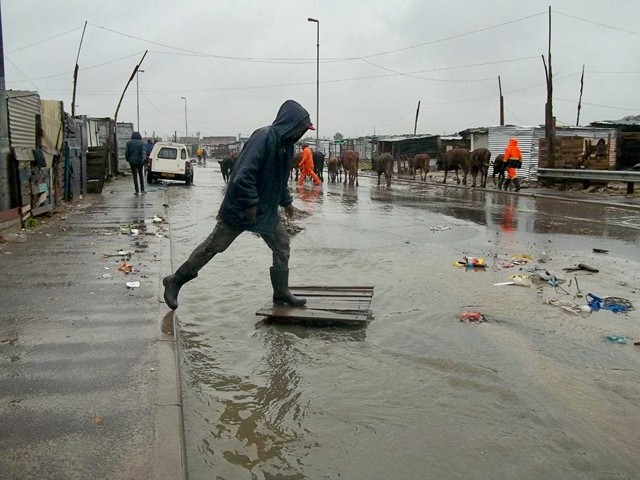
x,y
549,120
415,125
75,74
580,99
501,102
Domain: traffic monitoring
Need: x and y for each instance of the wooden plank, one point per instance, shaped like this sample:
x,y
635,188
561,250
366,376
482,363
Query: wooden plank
x,y
288,312
321,304
323,293
321,287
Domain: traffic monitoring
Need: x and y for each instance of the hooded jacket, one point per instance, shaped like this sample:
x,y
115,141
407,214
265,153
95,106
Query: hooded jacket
x,y
135,150
261,172
512,154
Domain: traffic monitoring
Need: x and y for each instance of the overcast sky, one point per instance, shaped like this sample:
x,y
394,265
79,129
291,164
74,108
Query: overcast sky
x,y
236,61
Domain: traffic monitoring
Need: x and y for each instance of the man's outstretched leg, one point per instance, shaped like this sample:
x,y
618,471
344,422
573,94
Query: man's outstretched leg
x,y
222,236
279,245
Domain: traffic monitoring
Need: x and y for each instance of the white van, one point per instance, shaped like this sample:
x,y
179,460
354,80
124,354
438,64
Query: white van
x,y
169,161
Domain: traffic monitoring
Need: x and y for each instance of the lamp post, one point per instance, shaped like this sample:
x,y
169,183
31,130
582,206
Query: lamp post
x,y
186,129
317,22
138,97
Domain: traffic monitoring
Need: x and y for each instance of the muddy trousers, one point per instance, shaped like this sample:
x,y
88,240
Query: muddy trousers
x,y
218,241
138,173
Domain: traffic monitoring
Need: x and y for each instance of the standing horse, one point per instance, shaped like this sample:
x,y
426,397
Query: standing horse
x,y
456,159
479,163
499,168
421,162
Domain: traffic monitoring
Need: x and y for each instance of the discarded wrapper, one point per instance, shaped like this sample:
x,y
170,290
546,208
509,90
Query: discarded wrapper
x,y
125,267
135,284
474,317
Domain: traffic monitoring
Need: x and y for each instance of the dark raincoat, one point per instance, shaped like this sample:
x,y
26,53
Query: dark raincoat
x,y
261,173
135,151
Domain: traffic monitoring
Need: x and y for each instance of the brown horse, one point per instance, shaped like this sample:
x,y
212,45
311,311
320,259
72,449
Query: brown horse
x,y
349,161
456,159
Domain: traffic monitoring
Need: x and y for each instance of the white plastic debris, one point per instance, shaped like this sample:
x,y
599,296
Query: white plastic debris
x,y
134,231
107,275
135,284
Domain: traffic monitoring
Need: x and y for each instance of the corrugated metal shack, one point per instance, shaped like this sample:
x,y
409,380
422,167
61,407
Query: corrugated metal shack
x,y
124,131
29,132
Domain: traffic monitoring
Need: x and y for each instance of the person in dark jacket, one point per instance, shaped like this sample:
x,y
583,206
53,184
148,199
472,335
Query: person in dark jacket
x,y
257,187
135,153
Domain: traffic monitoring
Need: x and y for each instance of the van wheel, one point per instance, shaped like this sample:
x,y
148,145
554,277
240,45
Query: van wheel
x,y
189,180
149,178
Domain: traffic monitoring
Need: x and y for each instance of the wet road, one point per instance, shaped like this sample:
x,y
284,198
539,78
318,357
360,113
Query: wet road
x,y
534,393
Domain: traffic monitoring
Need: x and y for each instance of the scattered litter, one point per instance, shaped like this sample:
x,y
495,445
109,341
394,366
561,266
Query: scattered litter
x,y
567,306
617,339
134,231
501,284
158,219
523,258
471,262
521,280
473,317
440,228
613,304
135,284
125,267
581,266
600,250
107,275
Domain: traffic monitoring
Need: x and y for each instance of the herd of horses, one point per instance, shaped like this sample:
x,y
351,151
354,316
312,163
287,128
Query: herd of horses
x,y
475,162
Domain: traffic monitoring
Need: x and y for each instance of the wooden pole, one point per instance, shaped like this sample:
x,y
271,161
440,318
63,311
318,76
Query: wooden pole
x,y
75,74
580,99
549,124
133,74
415,125
501,102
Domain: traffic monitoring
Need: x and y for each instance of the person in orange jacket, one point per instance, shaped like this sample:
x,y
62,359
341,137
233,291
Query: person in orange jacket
x,y
513,160
306,166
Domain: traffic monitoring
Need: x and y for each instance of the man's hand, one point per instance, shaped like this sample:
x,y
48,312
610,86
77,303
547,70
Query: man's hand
x,y
251,214
289,210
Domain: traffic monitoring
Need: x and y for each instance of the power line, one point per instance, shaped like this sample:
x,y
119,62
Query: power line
x,y
189,52
45,40
25,76
596,23
455,36
86,68
597,105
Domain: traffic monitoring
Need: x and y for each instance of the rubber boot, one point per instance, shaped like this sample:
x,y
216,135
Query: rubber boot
x,y
281,292
507,182
516,182
173,283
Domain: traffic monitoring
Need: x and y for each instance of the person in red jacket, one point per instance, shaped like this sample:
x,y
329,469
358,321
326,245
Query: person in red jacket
x,y
306,166
513,160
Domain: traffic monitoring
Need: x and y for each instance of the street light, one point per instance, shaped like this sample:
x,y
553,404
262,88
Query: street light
x,y
138,96
186,130
317,22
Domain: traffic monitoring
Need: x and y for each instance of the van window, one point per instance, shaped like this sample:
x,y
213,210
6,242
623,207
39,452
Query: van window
x,y
168,153
183,154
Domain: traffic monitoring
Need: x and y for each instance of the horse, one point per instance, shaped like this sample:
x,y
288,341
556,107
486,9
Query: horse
x,y
456,159
333,167
384,164
479,162
420,161
318,164
499,167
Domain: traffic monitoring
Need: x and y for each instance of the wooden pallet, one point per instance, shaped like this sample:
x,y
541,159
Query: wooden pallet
x,y
325,305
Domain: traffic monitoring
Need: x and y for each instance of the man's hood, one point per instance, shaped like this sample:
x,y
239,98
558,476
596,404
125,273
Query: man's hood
x,y
136,136
291,113
513,141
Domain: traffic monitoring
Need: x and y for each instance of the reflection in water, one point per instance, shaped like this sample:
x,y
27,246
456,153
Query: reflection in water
x,y
309,193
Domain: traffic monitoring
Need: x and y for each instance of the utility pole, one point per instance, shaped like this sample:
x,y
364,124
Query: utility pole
x,y
415,125
501,102
549,120
5,184
75,74
138,98
580,99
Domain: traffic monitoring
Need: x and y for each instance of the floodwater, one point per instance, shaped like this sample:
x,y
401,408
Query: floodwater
x,y
533,393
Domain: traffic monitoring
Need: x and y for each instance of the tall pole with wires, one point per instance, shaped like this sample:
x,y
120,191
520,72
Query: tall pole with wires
x,y
317,22
5,183
75,74
138,98
186,127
